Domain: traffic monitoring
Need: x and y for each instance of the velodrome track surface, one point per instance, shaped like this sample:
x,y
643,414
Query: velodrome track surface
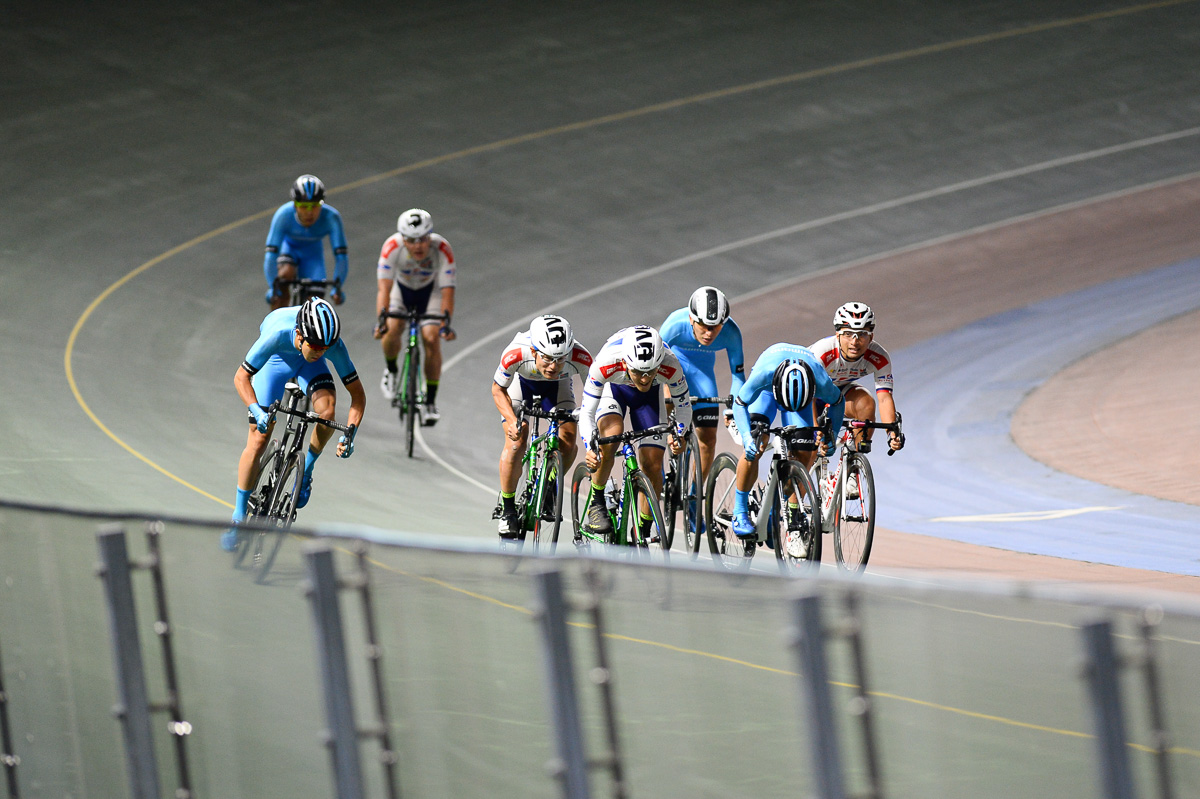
x,y
578,161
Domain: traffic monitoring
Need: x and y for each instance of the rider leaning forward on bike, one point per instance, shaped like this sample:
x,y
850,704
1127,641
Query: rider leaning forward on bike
x,y
536,366
626,376
790,380
295,242
695,335
851,354
293,344
416,273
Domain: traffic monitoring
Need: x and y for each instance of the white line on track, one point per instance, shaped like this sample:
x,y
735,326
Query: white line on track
x,y
824,221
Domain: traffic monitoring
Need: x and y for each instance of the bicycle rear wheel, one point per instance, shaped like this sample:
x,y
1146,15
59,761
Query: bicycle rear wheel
x,y
726,549
854,525
548,500
282,511
797,531
683,501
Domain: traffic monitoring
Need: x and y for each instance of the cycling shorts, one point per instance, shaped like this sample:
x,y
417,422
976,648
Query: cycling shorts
x,y
644,409
422,300
549,394
270,381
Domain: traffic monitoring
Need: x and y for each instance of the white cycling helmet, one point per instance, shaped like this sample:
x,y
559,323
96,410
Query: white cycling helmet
x,y
642,348
793,385
551,336
414,223
854,316
708,306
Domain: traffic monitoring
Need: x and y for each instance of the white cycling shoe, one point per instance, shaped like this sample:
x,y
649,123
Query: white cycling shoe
x,y
430,415
388,384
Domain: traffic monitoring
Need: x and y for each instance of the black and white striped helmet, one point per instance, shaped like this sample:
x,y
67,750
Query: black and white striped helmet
x,y
318,323
854,316
308,189
642,348
793,385
708,306
551,336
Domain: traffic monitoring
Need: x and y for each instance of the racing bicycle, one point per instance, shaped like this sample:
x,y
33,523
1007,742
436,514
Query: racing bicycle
x,y
786,510
410,388
271,507
683,487
635,491
540,492
300,289
848,495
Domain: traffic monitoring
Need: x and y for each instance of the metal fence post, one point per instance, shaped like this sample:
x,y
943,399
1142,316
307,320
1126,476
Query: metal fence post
x,y
335,674
133,709
571,768
8,755
1101,671
809,642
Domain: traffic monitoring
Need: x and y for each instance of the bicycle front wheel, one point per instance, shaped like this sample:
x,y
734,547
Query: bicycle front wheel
x,y
258,504
854,525
719,493
412,365
581,486
548,500
796,527
282,510
645,497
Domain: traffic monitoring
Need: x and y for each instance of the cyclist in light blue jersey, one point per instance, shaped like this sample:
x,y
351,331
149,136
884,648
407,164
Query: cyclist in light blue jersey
x,y
295,242
790,380
696,334
293,344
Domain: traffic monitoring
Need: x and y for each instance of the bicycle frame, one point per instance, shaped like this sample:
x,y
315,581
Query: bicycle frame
x,y
409,398
534,461
624,513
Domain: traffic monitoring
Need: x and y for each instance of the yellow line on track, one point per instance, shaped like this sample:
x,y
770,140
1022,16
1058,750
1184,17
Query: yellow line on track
x,y
574,127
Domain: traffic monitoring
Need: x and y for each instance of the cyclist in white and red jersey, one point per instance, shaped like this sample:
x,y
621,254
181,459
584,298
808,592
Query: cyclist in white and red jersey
x,y
416,272
536,367
850,355
626,376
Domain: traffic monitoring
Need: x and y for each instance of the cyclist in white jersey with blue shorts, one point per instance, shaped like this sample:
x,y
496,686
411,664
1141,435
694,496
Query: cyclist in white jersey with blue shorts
x,y
536,367
626,377
416,272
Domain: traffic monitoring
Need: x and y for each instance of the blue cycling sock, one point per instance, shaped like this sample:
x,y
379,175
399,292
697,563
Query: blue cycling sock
x,y
741,501
309,460
239,504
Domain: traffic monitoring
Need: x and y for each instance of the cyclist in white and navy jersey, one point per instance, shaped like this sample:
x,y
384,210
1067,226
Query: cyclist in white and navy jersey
x,y
696,334
295,242
293,344
416,273
626,377
536,367
789,380
851,354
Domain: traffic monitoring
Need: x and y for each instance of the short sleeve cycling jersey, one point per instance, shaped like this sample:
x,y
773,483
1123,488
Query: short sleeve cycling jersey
x,y
438,267
875,362
609,367
518,360
277,338
677,333
763,373
286,227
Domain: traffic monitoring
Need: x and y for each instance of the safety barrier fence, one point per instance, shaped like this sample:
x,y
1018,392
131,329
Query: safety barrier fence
x,y
138,661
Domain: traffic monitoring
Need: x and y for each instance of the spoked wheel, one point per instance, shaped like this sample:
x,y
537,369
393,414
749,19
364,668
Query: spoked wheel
x,y
581,485
655,539
548,502
727,549
250,542
854,525
684,502
408,412
796,530
282,512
